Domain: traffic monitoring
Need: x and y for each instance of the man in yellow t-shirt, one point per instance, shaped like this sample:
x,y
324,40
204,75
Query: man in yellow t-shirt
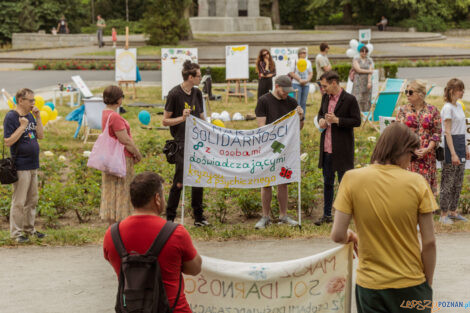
x,y
387,202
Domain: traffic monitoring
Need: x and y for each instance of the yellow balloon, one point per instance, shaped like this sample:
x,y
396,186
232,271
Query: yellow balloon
x,y
53,115
461,103
39,102
44,117
218,123
47,109
11,104
302,65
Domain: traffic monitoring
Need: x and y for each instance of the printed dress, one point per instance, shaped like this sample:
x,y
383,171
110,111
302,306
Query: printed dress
x,y
360,90
427,125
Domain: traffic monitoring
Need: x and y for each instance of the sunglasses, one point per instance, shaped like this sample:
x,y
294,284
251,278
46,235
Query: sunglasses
x,y
265,54
409,92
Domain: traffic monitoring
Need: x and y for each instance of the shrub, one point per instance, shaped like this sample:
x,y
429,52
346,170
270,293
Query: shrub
x,y
135,27
425,23
249,201
164,21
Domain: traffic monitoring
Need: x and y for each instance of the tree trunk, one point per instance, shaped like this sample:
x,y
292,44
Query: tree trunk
x,y
347,14
275,16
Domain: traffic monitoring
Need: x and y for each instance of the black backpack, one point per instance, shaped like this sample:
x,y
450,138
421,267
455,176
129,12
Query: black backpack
x,y
141,288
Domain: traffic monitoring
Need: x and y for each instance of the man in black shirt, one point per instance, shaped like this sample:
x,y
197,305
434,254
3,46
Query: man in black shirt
x,y
182,101
270,107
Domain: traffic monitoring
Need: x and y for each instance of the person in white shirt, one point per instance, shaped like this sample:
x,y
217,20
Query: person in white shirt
x,y
456,152
301,73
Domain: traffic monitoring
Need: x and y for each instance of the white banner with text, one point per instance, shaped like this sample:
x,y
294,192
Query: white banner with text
x,y
218,157
318,283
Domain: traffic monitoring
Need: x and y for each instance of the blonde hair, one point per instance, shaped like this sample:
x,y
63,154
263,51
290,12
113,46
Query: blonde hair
x,y
419,86
301,50
453,85
22,93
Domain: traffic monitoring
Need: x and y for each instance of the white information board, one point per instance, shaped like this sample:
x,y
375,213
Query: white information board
x,y
172,66
82,86
364,35
236,62
126,64
284,58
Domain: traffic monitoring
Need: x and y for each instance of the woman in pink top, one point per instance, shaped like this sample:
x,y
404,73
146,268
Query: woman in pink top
x,y
115,198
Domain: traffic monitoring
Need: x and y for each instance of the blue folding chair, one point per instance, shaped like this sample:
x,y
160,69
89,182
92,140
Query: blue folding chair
x,y
386,101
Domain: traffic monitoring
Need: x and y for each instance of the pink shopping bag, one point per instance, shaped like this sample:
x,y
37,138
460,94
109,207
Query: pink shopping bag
x,y
107,154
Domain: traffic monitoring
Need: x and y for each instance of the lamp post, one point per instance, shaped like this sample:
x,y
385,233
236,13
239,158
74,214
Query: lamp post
x,y
127,11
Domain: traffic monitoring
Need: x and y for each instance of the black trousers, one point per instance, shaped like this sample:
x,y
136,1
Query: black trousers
x,y
404,300
265,84
329,183
175,192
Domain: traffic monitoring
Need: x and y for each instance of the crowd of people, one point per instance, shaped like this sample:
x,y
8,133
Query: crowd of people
x,y
387,199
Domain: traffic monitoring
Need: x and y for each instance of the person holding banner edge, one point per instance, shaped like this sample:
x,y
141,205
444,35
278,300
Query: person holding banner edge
x,y
387,203
182,101
271,107
338,115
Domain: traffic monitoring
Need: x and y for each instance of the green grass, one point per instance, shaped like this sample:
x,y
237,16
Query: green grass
x,y
61,198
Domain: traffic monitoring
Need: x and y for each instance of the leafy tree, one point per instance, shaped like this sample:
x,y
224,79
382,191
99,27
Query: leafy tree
x,y
34,15
165,22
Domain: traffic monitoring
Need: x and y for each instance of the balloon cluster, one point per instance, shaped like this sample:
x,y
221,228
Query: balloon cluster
x,y
47,110
356,46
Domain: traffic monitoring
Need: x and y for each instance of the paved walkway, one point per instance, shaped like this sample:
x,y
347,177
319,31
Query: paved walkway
x,y
452,46
79,280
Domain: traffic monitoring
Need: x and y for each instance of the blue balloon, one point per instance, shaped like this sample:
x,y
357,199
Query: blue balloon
x,y
359,46
14,100
144,117
51,105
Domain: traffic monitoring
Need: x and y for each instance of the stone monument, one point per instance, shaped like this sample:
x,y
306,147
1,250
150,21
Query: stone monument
x,y
229,16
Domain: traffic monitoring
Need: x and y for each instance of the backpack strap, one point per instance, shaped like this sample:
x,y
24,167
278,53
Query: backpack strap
x,y
161,239
178,294
116,236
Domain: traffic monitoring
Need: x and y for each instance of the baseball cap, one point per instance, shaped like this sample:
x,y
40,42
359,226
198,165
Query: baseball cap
x,y
285,82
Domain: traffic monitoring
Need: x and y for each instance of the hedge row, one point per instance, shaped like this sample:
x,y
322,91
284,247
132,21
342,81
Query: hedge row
x,y
218,72
89,65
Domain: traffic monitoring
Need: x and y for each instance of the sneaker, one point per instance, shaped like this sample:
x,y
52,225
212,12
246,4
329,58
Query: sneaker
x,y
22,239
323,220
458,217
263,222
201,222
287,220
446,220
39,235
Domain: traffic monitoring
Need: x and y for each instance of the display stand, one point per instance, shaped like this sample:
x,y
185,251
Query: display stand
x,y
237,92
128,82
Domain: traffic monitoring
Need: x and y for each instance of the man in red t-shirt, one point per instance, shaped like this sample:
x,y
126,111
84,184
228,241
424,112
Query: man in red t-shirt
x,y
139,230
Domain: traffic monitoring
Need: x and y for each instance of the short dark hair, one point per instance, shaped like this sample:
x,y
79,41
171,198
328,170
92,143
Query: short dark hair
x,y
323,46
396,140
364,48
189,68
330,76
112,94
144,187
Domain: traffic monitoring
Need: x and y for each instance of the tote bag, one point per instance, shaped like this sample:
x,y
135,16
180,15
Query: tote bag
x,y
107,154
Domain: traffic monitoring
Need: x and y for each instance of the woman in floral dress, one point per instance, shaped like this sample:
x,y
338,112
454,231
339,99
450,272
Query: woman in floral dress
x,y
425,120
